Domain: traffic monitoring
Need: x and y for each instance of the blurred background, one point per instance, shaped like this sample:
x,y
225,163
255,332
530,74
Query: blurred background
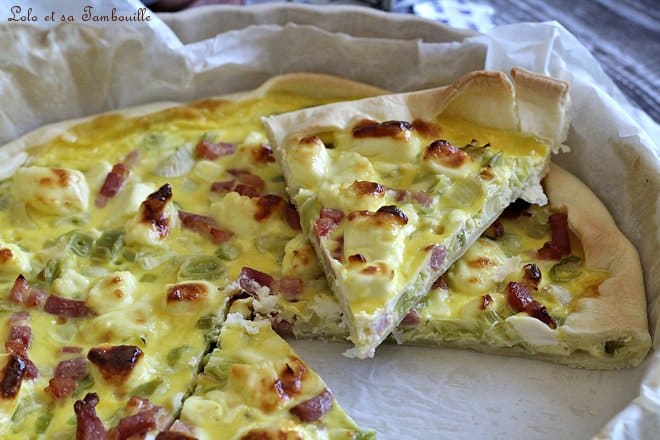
x,y
624,35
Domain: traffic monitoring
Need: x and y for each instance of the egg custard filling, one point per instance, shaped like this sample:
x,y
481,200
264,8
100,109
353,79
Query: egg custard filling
x,y
118,236
255,386
512,293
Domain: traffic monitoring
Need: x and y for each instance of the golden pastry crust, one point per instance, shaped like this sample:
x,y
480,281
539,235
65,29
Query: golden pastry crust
x,y
313,85
618,314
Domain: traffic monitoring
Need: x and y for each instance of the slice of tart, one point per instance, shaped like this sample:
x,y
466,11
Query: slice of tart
x,y
558,283
254,386
392,190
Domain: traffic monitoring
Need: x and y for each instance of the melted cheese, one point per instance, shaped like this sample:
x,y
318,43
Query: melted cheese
x,y
53,191
237,393
459,201
13,259
123,282
111,292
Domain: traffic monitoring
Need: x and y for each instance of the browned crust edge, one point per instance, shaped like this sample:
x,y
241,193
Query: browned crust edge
x,y
309,84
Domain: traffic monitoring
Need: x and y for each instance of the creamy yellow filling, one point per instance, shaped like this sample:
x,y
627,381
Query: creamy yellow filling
x,y
490,264
251,384
171,335
458,195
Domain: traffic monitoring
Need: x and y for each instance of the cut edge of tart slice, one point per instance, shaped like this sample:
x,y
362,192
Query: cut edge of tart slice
x,y
581,288
577,300
304,145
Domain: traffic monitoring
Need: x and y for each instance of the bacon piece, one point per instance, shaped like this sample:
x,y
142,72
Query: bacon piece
x,y
247,178
20,290
115,179
327,221
393,129
289,288
532,275
559,244
115,362
247,190
262,154
205,226
521,300
67,374
69,308
249,276
412,318
485,301
153,209
144,418
74,368
249,185
209,150
291,217
447,154
495,231
88,424
60,387
37,296
20,340
12,376
189,292
281,326
266,205
313,409
22,293
440,283
333,214
223,187
438,254
516,209
518,296
364,188
31,372
70,349
323,226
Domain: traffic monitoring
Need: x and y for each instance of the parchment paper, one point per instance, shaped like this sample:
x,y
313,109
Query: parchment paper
x,y
74,70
